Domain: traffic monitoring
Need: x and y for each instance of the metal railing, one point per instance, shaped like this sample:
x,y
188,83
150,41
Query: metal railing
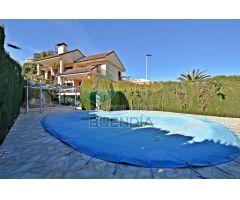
x,y
61,89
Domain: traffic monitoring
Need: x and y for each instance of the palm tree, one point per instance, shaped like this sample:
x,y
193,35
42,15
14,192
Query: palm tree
x,y
195,74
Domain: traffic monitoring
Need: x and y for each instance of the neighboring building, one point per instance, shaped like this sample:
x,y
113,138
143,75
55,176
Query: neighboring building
x,y
141,81
132,80
71,67
127,78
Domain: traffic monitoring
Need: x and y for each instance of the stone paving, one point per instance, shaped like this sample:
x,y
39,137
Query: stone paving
x,y
30,152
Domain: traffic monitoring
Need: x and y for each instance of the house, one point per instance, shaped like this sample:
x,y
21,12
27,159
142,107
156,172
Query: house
x,y
132,80
71,67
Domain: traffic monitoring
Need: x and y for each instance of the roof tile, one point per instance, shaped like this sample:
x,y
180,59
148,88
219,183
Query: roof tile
x,y
94,56
78,70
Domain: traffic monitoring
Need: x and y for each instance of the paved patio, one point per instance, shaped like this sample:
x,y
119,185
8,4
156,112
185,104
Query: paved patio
x,y
30,152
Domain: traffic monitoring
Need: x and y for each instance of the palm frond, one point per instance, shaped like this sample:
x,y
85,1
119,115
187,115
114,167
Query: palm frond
x,y
195,74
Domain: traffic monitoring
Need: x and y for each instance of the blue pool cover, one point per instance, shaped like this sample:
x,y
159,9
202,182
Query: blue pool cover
x,y
148,139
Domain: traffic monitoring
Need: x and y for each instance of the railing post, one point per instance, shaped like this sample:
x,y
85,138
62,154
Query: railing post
x,y
40,97
75,97
59,96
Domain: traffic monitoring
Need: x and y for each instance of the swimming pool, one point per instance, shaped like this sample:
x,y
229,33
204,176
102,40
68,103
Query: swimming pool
x,y
148,139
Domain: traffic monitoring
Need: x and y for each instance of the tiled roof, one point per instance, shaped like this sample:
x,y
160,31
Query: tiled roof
x,y
78,70
94,56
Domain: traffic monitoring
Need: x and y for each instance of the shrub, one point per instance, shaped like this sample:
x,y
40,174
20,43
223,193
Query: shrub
x,y
218,96
11,88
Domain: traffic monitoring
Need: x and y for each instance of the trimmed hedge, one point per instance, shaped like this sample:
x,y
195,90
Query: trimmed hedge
x,y
97,94
219,96
11,88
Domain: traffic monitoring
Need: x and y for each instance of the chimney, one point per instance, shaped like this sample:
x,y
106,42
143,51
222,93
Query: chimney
x,y
61,47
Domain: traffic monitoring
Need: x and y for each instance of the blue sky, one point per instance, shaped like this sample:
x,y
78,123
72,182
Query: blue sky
x,y
176,45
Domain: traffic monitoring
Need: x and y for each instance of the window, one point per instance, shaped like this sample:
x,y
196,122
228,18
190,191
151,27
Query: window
x,y
119,75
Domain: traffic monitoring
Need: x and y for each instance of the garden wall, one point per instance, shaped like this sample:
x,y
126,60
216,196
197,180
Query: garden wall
x,y
219,96
11,88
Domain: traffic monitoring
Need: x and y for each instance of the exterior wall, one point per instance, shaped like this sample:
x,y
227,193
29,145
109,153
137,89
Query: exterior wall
x,y
112,72
114,59
103,69
76,83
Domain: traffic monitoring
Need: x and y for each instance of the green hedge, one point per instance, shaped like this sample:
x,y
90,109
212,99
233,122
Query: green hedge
x,y
97,93
219,96
11,88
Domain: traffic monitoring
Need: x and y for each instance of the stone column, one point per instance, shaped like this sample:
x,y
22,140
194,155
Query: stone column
x,y
59,80
38,69
52,72
46,74
61,66
61,70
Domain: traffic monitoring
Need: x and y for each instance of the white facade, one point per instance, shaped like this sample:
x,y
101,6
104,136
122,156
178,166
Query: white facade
x,y
113,72
63,66
104,69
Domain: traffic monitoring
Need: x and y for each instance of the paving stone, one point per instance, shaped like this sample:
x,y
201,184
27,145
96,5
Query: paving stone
x,y
30,152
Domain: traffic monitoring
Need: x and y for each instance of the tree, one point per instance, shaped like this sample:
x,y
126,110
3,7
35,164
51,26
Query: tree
x,y
43,54
195,74
28,69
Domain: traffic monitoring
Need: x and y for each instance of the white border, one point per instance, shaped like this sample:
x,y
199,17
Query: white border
x,y
119,189
124,9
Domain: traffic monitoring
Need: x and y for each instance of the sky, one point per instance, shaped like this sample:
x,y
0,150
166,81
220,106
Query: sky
x,y
176,46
